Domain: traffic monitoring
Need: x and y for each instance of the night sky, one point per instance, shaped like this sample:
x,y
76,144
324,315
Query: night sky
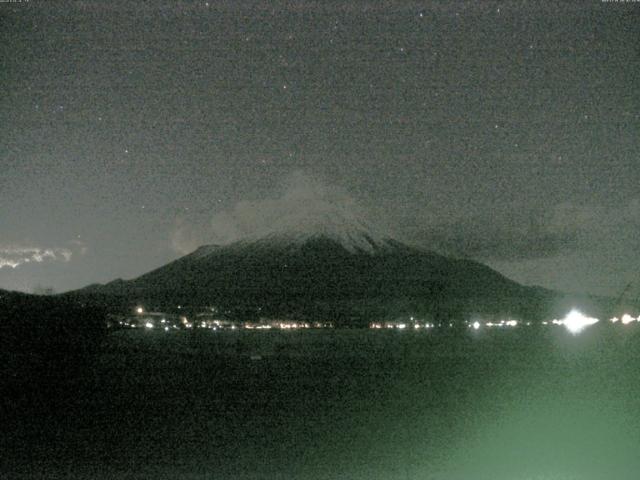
x,y
507,132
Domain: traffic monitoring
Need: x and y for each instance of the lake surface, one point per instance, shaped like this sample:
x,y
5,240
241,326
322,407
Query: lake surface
x,y
523,403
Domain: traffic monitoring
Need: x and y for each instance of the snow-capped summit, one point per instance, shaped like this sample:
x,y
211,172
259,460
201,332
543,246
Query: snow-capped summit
x,y
329,222
328,261
320,218
314,252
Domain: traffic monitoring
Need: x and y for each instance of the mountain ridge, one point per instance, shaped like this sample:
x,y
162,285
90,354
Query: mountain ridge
x,y
319,276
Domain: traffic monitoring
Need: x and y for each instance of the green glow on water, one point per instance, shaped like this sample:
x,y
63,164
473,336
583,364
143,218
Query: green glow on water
x,y
492,404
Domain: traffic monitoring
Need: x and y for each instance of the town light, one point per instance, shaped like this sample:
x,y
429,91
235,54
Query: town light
x,y
575,321
626,319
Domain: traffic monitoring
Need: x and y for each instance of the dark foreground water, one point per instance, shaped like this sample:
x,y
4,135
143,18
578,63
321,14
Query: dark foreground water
x,y
518,404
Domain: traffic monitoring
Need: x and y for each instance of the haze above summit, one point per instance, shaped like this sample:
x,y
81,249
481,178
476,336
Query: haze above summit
x,y
306,207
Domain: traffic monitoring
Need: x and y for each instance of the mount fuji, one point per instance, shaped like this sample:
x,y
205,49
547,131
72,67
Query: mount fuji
x,y
334,265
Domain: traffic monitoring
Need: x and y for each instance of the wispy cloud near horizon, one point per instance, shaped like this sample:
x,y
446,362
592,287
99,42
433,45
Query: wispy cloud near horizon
x,y
15,256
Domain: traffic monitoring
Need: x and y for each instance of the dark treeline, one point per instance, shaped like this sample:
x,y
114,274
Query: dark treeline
x,y
45,342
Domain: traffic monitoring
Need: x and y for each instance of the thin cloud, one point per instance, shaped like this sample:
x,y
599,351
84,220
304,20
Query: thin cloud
x,y
563,230
304,203
14,256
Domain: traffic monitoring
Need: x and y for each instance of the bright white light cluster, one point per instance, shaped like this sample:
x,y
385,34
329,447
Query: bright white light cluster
x,y
575,321
626,319
503,323
401,325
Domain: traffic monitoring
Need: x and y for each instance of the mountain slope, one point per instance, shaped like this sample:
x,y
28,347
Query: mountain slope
x,y
353,274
